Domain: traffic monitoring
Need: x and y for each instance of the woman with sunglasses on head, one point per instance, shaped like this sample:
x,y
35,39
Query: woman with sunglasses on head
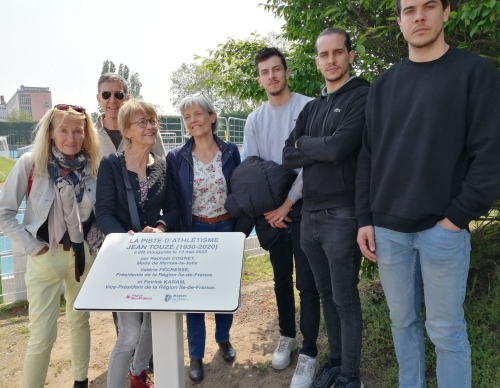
x,y
112,93
58,233
152,193
201,170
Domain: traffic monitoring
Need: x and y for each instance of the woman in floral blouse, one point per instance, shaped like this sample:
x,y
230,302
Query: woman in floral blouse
x,y
201,170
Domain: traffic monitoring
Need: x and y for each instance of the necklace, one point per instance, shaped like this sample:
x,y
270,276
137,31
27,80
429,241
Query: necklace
x,y
208,155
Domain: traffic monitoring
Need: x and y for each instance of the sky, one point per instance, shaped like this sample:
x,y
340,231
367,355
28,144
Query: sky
x,y
62,44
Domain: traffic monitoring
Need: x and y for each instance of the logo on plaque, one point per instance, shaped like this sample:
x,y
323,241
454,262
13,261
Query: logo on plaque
x,y
168,297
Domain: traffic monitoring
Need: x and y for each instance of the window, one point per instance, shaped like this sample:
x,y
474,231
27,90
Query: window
x,y
25,99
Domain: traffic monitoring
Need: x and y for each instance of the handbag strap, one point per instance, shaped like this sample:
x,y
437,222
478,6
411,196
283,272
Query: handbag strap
x,y
30,179
132,207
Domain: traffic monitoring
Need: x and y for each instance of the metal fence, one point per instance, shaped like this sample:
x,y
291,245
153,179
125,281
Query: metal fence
x,y
12,268
174,132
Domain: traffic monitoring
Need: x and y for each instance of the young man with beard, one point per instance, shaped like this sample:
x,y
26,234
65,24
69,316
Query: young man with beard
x,y
266,130
429,165
325,143
112,93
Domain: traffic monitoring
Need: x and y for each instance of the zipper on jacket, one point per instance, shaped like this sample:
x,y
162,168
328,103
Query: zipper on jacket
x,y
326,116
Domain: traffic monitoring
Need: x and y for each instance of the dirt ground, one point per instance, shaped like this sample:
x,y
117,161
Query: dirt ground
x,y
254,335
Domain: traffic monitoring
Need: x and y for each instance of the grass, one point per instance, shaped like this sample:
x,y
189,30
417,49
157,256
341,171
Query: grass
x,y
262,366
6,165
15,311
257,268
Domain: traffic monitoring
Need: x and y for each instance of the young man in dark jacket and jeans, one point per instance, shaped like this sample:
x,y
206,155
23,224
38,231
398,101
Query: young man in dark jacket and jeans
x,y
430,163
325,143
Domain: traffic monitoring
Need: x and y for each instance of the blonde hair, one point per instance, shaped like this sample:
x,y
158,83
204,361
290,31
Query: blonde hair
x,y
128,109
42,144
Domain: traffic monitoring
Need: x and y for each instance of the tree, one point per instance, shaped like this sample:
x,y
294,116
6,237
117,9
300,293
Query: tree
x,y
192,78
232,64
19,116
473,25
133,80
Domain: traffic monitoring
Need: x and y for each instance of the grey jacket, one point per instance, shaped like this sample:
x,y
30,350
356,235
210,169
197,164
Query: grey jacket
x,y
107,146
38,205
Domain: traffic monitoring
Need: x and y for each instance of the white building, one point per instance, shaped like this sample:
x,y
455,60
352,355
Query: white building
x,y
3,109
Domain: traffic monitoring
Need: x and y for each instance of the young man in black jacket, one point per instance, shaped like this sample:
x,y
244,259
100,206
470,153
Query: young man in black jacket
x,y
429,165
325,142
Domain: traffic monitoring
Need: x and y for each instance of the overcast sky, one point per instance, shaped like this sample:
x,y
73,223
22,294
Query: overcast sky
x,y
62,44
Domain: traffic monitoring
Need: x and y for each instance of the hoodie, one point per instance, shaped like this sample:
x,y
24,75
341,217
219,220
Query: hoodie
x,y
325,142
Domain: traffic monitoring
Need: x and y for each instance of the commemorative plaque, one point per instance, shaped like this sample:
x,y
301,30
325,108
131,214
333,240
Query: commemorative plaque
x,y
166,274
181,272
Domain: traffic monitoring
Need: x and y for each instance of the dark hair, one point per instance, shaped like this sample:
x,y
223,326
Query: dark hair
x,y
266,53
109,77
331,31
397,3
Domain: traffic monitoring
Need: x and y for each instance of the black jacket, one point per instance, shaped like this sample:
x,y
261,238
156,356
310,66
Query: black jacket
x,y
258,186
328,135
112,212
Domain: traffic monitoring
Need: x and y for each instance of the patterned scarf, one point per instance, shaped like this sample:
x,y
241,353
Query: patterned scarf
x,y
76,177
70,191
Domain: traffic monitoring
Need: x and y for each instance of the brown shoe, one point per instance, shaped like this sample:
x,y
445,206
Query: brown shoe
x,y
141,381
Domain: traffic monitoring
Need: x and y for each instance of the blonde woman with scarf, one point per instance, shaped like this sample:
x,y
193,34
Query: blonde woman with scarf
x,y
58,233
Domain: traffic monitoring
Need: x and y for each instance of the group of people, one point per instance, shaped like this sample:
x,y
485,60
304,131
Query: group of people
x,y
83,181
394,171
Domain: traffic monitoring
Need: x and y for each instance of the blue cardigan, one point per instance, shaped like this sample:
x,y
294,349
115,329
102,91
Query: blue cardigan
x,y
180,163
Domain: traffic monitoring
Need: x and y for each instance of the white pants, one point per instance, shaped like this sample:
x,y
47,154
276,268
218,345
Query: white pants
x,y
44,277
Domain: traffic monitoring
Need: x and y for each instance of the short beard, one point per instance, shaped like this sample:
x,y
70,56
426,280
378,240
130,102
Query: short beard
x,y
337,77
428,43
279,91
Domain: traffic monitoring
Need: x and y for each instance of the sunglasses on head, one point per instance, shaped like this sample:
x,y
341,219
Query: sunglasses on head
x,y
76,108
118,95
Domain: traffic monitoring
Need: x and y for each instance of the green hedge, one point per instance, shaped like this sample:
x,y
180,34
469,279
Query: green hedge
x,y
19,133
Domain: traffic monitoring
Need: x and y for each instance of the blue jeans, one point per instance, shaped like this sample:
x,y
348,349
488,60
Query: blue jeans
x,y
282,254
328,237
436,261
195,322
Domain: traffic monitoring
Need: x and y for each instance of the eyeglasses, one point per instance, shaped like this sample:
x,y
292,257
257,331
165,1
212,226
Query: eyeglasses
x,y
118,95
143,123
77,108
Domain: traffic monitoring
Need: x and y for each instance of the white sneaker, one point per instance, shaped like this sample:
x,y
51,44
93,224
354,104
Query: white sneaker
x,y
304,372
281,356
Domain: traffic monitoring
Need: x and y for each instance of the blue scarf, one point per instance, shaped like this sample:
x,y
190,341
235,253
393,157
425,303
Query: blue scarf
x,y
76,176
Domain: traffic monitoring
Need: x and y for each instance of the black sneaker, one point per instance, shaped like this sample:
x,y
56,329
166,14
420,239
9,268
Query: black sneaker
x,y
326,376
81,384
343,382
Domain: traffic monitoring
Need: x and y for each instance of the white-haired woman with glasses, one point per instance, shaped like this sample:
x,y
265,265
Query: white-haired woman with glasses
x,y
201,170
58,233
147,174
